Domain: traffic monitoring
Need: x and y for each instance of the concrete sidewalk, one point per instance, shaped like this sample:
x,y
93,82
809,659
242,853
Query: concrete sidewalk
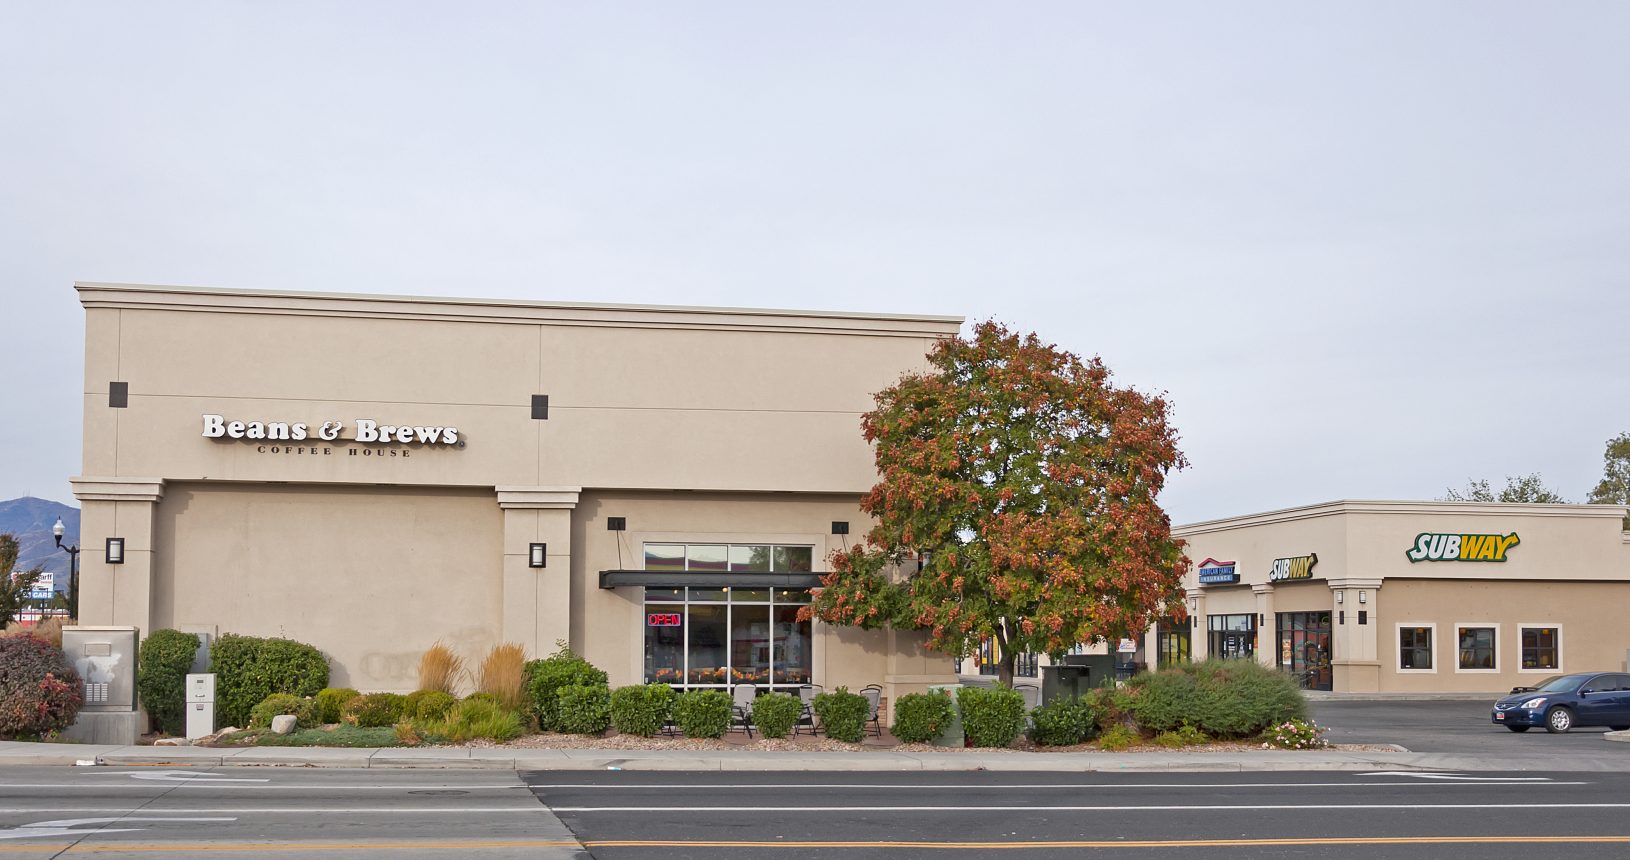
x,y
17,754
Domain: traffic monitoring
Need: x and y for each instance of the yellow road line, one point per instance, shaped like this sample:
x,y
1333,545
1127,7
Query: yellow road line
x,y
478,845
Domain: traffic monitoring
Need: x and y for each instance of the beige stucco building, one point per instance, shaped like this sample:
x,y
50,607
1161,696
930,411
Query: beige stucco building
x,y
1366,596
657,486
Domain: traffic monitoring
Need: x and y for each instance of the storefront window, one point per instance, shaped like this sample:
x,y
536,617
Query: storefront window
x,y
1172,643
719,634
1231,637
1024,665
1415,648
1477,647
1304,648
1539,647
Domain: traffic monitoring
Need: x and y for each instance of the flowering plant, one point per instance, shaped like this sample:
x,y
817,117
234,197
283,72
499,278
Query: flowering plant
x,y
1294,735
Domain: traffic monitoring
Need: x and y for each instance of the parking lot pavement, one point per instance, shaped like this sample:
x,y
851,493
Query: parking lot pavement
x,y
1449,727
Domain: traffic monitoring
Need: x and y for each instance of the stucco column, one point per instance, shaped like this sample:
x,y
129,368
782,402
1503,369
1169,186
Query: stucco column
x,y
118,595
537,607
1199,641
1267,638
1354,660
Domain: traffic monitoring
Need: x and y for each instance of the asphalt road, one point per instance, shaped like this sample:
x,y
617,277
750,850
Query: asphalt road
x,y
1450,727
1337,815
273,812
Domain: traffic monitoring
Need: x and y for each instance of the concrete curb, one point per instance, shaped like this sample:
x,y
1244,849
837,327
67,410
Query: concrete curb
x,y
1623,736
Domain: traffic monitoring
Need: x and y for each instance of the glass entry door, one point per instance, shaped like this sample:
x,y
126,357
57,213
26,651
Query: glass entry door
x,y
1304,647
1231,637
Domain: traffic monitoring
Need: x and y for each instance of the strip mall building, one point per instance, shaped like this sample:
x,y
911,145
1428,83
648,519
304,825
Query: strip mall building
x,y
660,487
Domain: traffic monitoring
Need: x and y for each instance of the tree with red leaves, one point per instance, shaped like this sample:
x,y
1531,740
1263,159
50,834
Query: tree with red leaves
x,y
1016,502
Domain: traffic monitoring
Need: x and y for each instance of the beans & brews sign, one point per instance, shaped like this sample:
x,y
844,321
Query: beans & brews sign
x,y
373,438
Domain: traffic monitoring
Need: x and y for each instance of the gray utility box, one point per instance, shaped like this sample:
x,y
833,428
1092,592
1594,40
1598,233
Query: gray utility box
x,y
953,735
200,705
105,658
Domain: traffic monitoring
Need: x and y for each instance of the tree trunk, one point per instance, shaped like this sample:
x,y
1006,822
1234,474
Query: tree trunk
x,y
1004,664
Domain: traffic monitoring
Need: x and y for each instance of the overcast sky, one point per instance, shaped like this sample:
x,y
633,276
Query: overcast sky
x,y
1371,250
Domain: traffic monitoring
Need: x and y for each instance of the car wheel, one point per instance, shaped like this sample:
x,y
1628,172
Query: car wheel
x,y
1519,728
1558,720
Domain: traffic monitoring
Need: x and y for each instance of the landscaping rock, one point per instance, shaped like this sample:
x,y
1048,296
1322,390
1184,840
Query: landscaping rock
x,y
282,724
172,742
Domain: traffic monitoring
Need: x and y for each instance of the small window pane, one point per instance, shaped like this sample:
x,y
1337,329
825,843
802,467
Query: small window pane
x,y
1476,647
709,594
709,645
654,593
661,556
706,557
792,595
1539,648
1415,648
794,559
749,595
750,559
665,644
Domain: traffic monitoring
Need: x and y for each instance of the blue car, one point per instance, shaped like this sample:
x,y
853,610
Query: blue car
x,y
1562,702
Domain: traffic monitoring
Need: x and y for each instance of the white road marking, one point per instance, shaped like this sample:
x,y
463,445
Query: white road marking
x,y
175,776
312,786
1102,785
64,826
1027,808
315,810
1455,776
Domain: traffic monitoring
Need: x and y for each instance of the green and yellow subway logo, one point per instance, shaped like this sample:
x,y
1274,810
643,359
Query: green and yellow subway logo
x,y
1431,546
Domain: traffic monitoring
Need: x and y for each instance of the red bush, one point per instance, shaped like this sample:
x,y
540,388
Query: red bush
x,y
39,690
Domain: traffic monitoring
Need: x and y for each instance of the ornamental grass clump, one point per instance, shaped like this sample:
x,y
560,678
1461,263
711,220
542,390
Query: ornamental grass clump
x,y
774,714
1119,737
474,719
703,713
428,704
643,709
991,716
162,665
39,690
440,669
843,714
922,717
502,673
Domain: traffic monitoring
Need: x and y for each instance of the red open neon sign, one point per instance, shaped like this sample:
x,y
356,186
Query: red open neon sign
x,y
664,619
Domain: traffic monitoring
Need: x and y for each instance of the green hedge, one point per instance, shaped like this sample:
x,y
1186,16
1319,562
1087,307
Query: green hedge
x,y
642,709
374,710
428,704
248,669
922,717
584,709
277,704
544,678
330,700
774,714
843,714
991,716
703,713
162,665
1064,721
1223,698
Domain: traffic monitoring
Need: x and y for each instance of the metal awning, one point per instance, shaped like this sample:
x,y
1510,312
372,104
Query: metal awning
x,y
681,578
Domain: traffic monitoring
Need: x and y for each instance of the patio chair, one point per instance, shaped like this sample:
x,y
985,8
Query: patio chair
x,y
744,694
874,698
806,717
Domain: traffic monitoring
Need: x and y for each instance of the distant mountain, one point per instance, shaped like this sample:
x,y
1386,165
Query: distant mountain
x,y
30,519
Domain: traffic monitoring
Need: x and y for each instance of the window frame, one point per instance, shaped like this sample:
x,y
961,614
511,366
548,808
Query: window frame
x,y
1478,625
1398,648
1547,625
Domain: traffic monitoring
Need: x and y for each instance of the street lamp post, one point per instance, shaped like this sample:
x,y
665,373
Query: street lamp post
x,y
73,569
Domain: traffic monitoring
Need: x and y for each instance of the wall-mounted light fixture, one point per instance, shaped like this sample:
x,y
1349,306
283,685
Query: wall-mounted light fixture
x,y
1363,597
116,551
538,555
1341,596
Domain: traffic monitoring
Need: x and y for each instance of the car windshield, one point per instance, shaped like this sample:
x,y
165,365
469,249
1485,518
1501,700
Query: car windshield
x,y
1559,684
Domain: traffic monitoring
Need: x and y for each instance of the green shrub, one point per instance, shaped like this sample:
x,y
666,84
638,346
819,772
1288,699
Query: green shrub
x,y
248,669
1111,706
1223,698
330,700
991,716
39,689
1185,736
703,713
774,714
304,711
374,710
542,680
429,704
483,697
1064,721
1118,737
922,717
843,714
584,709
162,665
477,718
642,709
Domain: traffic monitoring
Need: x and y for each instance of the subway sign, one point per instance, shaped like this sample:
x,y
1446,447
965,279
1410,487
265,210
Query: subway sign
x,y
1293,568
1214,572
1432,546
